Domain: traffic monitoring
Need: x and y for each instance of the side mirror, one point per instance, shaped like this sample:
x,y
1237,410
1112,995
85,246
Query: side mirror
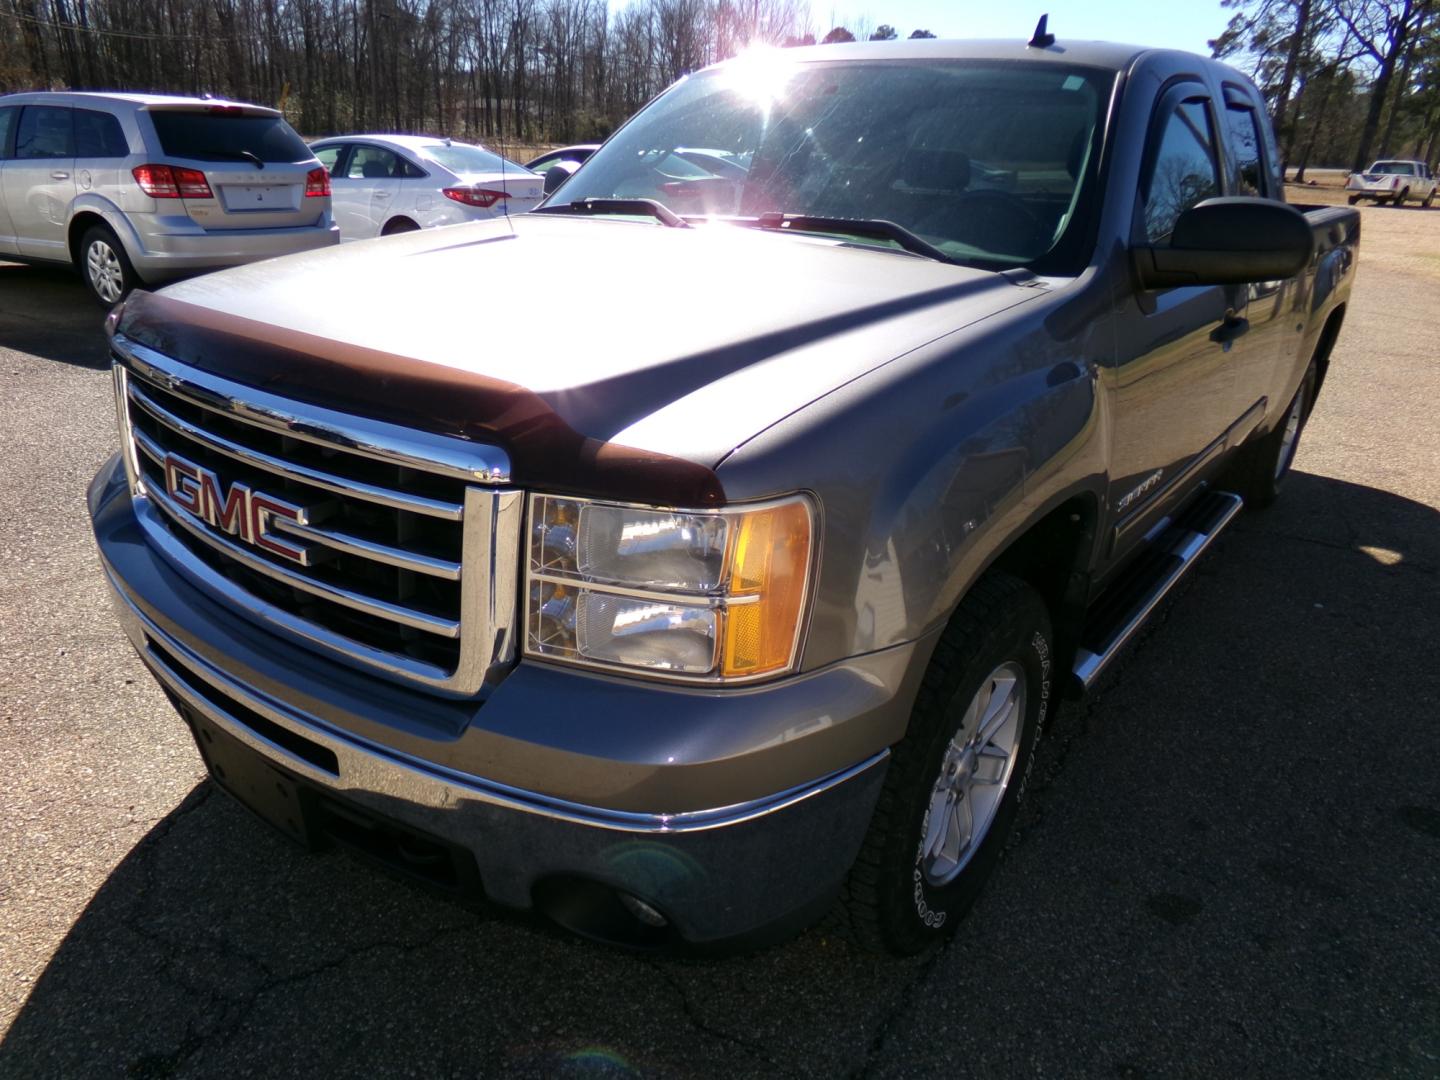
x,y
1234,240
558,173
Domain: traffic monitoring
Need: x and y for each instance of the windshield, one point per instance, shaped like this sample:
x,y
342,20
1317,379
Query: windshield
x,y
983,160
1394,168
459,158
227,136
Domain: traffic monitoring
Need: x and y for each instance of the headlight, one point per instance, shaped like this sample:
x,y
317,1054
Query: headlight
x,y
704,595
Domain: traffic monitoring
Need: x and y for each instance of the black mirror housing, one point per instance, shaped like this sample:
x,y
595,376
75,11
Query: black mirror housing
x,y
558,173
1234,240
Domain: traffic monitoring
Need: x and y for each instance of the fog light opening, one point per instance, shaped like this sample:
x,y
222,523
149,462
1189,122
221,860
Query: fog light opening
x,y
643,911
603,913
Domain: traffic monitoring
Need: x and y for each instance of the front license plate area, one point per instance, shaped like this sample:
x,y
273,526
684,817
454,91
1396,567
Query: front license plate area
x,y
265,791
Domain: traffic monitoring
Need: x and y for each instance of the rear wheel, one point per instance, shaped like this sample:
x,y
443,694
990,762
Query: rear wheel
x,y
399,225
105,266
957,778
1263,465
1429,199
1354,199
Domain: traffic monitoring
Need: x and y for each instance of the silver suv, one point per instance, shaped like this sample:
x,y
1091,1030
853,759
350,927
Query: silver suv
x,y
138,188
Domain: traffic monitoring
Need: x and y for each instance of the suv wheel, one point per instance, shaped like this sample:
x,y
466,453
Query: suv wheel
x,y
107,270
957,778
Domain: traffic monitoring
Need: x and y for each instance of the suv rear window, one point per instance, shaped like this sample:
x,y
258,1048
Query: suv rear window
x,y
216,136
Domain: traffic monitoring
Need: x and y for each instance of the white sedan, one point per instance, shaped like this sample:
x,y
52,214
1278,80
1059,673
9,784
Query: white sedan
x,y
383,184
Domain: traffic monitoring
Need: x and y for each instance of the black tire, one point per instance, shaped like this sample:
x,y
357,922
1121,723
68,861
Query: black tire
x,y
1402,196
889,902
1429,199
1354,199
105,266
399,225
1263,464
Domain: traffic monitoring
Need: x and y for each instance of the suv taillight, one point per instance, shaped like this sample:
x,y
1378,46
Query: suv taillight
x,y
482,197
317,183
171,182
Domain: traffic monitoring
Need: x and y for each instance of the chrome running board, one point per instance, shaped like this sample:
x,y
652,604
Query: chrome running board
x,y
1176,548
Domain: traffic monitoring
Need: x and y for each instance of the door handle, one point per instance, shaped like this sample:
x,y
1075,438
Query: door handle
x,y
58,175
382,194
1233,327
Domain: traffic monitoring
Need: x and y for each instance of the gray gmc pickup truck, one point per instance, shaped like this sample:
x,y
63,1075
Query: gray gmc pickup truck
x,y
707,550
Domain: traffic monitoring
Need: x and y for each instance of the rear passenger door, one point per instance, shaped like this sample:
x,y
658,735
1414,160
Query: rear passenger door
x,y
1173,389
40,181
1257,357
361,198
8,116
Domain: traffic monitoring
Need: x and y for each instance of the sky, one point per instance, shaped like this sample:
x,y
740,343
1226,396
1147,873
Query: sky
x,y
1168,24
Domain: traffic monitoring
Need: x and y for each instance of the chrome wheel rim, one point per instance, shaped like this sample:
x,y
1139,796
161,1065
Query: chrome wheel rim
x,y
974,775
1291,437
106,275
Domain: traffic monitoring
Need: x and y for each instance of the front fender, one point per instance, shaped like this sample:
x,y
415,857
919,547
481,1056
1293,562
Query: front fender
x,y
954,504
926,470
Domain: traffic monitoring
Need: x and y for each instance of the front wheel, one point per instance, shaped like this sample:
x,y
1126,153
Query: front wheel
x,y
1402,196
956,780
105,266
1354,199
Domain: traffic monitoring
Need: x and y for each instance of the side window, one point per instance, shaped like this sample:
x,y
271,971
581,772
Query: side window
x,y
329,156
1184,170
98,135
372,163
410,171
7,129
1247,166
44,132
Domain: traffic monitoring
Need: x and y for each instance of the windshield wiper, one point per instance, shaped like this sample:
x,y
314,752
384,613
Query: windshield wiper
x,y
236,155
635,207
865,228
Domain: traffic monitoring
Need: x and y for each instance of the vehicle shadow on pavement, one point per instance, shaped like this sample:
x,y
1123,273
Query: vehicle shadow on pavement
x,y
49,313
1231,855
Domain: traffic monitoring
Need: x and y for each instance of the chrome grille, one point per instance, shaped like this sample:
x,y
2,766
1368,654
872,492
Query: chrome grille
x,y
410,543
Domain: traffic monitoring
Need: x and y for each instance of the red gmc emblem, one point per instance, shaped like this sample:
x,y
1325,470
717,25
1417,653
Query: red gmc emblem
x,y
240,511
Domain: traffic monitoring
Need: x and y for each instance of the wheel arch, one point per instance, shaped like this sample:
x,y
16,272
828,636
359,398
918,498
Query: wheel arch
x,y
80,224
399,223
1052,555
1324,346
93,210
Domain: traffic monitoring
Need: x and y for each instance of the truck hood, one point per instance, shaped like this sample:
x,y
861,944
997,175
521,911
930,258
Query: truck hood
x,y
673,343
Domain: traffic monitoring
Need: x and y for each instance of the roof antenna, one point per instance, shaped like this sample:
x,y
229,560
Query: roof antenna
x,y
1042,39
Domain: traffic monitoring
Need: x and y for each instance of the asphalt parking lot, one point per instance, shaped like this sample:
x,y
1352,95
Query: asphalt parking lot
x,y
1230,866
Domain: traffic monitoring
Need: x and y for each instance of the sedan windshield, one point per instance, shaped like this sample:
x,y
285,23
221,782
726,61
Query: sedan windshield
x,y
985,161
460,158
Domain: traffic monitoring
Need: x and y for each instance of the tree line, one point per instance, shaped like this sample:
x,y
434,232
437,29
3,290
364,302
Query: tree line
x,y
525,71
1348,81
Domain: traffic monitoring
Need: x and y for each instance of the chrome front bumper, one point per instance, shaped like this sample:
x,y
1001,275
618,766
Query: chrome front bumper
x,y
717,873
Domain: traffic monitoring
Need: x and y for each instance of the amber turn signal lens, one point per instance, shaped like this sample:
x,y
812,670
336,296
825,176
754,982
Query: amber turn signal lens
x,y
769,562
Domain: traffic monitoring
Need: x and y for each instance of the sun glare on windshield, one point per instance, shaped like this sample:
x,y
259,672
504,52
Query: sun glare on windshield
x,y
760,75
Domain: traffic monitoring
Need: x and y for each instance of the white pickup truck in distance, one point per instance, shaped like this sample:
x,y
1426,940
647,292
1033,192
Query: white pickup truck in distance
x,y
1393,182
